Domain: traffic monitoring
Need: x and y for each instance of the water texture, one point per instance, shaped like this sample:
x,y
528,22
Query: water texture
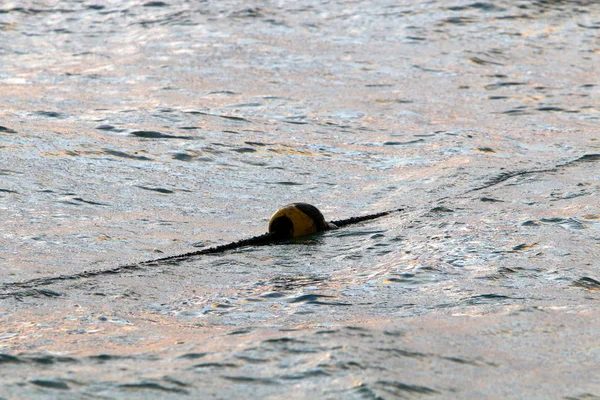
x,y
136,130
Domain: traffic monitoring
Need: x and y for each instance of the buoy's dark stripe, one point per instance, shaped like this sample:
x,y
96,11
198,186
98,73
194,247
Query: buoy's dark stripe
x,y
313,213
261,240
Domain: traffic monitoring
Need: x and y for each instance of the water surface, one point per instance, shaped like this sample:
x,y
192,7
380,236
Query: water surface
x,y
134,130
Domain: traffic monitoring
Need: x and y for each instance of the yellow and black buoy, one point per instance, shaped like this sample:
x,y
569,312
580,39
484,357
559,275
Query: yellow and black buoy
x,y
298,219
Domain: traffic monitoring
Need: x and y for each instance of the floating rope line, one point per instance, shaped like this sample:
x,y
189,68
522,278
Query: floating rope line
x,y
355,220
261,240
271,237
279,230
302,216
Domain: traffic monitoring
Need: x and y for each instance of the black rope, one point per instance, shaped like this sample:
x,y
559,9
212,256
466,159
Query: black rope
x,y
355,220
260,240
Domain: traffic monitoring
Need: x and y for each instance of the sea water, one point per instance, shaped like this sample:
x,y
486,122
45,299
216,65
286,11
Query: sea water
x,y
134,130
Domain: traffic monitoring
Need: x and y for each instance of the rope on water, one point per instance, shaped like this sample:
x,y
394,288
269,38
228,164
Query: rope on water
x,y
264,239
260,240
355,220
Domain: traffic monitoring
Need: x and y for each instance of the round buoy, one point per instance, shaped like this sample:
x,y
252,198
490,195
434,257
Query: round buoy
x,y
297,219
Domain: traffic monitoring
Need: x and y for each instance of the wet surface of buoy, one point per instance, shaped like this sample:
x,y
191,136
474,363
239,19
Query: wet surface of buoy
x,y
297,219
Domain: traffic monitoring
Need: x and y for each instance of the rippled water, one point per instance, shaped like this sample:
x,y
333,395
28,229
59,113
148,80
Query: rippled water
x,y
132,130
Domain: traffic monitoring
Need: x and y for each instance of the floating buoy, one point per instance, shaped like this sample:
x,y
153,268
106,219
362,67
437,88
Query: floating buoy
x,y
298,219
